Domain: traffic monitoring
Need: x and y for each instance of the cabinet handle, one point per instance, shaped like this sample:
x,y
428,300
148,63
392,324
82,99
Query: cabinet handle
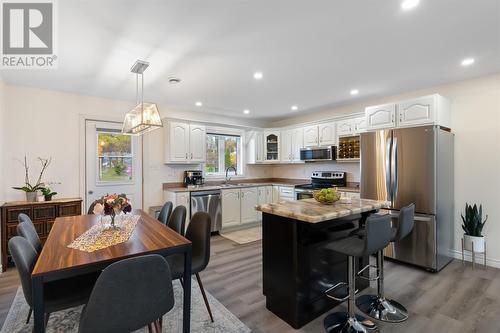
x,y
186,156
392,118
191,155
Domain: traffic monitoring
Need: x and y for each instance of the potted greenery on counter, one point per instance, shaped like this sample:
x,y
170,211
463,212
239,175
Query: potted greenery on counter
x,y
47,193
472,224
30,189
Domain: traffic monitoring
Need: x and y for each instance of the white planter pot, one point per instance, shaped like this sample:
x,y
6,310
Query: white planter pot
x,y
31,196
477,241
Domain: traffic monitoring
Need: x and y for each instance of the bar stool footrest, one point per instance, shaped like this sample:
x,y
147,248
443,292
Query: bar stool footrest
x,y
369,278
336,293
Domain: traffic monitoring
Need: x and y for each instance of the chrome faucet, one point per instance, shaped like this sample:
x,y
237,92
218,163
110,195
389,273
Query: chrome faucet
x,y
227,170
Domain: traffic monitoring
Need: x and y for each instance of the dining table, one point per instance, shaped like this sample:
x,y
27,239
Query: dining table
x,y
58,261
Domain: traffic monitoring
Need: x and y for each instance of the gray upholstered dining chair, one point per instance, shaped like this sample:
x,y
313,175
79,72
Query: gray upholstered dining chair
x,y
198,232
28,232
129,294
177,220
25,218
58,295
165,212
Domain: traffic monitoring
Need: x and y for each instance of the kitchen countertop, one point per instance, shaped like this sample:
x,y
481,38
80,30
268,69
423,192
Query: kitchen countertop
x,y
246,183
309,210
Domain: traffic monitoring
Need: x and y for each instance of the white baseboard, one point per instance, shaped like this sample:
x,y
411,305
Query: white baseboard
x,y
479,258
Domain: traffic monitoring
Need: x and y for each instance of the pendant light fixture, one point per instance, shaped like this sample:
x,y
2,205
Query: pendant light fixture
x,y
144,117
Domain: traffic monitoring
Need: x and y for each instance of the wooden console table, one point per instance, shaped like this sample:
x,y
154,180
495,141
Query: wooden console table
x,y
43,215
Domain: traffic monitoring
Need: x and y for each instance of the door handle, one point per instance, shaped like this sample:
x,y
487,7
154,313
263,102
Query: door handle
x,y
388,170
90,192
394,169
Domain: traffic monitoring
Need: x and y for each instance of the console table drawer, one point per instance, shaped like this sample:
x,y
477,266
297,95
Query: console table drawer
x,y
12,213
45,212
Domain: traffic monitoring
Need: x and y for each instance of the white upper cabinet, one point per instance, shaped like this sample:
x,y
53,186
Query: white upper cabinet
x,y
344,127
197,143
352,126
292,141
255,147
286,146
271,146
297,143
380,116
177,145
426,110
184,143
311,136
359,125
327,134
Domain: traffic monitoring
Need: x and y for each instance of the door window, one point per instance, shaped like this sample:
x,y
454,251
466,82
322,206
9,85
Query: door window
x,y
114,157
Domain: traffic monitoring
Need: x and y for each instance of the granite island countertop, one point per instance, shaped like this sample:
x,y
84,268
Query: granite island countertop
x,y
309,210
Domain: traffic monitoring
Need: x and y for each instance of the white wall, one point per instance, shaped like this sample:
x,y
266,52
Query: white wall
x,y
303,171
475,120
46,123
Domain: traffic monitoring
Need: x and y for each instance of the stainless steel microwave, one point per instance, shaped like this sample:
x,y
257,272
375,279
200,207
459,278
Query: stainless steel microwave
x,y
312,154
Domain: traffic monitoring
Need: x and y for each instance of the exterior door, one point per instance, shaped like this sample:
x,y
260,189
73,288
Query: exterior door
x,y
197,144
375,165
414,173
113,163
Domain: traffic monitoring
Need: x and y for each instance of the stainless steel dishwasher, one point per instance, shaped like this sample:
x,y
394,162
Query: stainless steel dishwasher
x,y
208,202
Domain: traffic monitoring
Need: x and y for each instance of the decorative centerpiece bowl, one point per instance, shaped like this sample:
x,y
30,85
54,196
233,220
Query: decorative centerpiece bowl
x,y
112,205
326,196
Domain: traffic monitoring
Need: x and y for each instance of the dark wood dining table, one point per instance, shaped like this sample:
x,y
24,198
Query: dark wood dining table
x,y
58,261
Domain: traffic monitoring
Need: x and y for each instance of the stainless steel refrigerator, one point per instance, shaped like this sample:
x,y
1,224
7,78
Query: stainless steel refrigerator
x,y
413,165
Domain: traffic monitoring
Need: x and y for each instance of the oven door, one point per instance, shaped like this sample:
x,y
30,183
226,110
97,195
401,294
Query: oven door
x,y
303,194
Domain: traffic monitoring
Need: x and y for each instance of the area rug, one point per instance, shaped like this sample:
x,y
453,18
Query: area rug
x,y
244,236
67,321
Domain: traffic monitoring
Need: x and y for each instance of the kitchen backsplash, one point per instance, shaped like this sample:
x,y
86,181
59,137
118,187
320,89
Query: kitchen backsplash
x,y
301,171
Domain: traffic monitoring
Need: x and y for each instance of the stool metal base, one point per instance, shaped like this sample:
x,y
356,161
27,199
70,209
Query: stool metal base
x,y
340,322
382,309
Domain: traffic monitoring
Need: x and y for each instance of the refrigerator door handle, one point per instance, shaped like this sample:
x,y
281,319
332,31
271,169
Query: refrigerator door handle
x,y
388,184
394,169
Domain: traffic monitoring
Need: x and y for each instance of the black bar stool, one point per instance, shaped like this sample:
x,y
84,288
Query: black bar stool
x,y
377,306
377,237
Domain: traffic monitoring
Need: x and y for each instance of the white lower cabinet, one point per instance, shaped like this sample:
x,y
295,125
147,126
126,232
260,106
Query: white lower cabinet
x,y
264,196
249,199
179,199
238,206
281,193
352,195
231,208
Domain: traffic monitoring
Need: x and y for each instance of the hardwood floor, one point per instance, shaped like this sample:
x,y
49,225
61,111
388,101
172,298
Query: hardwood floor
x,y
457,299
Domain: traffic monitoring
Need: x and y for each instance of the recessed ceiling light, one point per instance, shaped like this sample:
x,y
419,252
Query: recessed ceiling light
x,y
294,108
246,111
354,92
198,104
468,61
174,80
409,4
258,75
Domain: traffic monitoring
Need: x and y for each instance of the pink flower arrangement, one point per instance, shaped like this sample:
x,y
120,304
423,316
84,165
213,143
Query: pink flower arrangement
x,y
112,204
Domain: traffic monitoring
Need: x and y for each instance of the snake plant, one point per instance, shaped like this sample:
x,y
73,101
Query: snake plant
x,y
473,223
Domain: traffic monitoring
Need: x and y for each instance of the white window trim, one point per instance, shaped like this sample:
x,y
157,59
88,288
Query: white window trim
x,y
235,132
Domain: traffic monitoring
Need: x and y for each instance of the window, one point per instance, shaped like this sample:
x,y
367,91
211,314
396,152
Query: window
x,y
114,157
223,151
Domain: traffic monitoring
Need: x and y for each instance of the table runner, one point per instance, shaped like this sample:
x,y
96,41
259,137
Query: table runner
x,y
100,236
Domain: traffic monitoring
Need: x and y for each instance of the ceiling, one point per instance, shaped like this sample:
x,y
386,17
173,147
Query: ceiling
x,y
311,53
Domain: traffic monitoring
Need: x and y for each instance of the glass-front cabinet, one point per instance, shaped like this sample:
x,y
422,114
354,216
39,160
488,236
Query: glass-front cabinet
x,y
271,146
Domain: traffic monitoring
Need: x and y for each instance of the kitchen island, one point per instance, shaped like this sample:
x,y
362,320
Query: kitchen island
x,y
297,268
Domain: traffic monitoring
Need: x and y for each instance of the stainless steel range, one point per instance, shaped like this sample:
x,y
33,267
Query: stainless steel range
x,y
319,180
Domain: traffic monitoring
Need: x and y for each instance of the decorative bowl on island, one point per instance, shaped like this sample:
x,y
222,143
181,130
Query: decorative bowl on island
x,y
327,196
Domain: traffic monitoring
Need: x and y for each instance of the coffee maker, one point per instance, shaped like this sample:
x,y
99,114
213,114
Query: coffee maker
x,y
193,177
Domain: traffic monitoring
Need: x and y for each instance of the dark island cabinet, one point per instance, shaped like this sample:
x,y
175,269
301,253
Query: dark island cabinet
x,y
42,214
